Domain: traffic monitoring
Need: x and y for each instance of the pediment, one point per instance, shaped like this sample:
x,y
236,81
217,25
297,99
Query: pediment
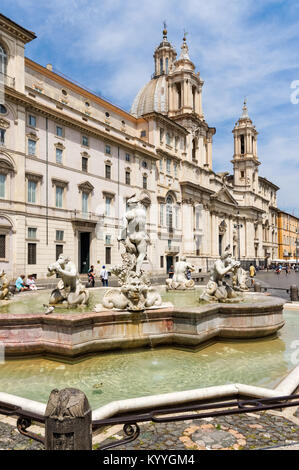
x,y
86,186
224,196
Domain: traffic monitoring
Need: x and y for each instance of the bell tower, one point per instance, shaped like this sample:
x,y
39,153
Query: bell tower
x,y
245,159
164,56
185,86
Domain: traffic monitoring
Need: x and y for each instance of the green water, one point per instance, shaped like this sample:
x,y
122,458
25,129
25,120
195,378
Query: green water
x,y
32,302
120,375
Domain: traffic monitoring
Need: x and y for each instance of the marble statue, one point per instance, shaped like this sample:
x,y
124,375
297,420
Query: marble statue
x,y
239,279
5,293
180,280
69,288
135,292
217,289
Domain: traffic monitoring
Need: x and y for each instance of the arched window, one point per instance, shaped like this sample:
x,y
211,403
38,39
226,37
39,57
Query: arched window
x,y
242,141
3,60
161,65
169,213
194,149
193,97
166,65
179,95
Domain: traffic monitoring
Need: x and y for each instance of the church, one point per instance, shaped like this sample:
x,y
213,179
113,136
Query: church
x,y
70,160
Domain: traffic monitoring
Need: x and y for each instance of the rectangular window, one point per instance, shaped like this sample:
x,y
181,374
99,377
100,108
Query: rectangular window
x,y
143,134
32,232
108,149
2,185
84,164
32,120
242,174
108,206
161,135
108,172
108,255
2,246
32,192
59,131
59,250
59,235
168,162
108,239
161,261
128,158
2,136
85,140
128,177
31,253
58,155
84,202
59,196
175,167
144,182
31,147
161,214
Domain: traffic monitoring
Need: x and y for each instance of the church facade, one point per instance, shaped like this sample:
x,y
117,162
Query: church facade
x,y
69,161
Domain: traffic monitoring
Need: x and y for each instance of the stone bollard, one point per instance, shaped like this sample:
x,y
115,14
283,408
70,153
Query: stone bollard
x,y
68,421
257,287
294,293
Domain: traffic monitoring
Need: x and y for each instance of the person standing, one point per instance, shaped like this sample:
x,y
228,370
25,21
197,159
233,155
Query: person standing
x,y
252,273
104,276
91,276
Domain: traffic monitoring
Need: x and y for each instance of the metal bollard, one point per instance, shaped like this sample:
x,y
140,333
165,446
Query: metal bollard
x,y
68,421
257,287
294,293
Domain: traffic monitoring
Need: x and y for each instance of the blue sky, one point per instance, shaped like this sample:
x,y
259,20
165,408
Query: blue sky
x,y
241,48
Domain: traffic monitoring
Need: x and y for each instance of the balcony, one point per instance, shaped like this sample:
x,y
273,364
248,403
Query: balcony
x,y
172,250
81,217
7,80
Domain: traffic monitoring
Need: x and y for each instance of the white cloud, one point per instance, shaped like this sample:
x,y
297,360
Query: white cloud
x,y
242,48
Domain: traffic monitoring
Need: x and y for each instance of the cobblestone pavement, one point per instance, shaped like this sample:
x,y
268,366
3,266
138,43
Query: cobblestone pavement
x,y
249,431
278,280
11,439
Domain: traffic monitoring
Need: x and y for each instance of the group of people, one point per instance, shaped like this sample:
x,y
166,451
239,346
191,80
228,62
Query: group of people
x,y
104,275
22,285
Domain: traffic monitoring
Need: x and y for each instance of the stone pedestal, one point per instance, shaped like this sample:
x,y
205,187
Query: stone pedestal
x,y
68,421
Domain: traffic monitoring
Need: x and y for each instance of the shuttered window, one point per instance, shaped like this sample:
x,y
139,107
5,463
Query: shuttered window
x,y
31,253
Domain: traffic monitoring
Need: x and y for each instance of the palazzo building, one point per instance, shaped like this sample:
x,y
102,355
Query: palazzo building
x,y
69,160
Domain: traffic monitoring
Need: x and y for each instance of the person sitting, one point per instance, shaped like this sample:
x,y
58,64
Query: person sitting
x,y
20,286
30,283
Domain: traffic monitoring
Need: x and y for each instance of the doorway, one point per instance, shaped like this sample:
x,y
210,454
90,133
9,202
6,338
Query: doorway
x,y
84,242
169,262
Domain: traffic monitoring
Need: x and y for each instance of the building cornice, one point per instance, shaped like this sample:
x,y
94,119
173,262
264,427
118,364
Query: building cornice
x,y
16,30
77,89
59,116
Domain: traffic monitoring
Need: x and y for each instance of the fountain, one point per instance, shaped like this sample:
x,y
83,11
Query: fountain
x,y
217,290
136,293
5,293
135,314
69,288
180,281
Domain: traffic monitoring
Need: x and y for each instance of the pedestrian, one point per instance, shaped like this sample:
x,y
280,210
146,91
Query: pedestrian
x,y
171,272
20,285
252,273
91,276
104,276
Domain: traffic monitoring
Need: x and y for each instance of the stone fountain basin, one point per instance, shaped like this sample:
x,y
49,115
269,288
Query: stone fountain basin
x,y
77,333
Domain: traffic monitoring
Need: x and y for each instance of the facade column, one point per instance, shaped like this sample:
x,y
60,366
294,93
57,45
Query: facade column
x,y
188,231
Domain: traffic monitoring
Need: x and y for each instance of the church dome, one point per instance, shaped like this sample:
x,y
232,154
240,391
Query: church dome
x,y
152,97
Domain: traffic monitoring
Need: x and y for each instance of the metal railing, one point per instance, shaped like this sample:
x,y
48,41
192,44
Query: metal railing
x,y
173,413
